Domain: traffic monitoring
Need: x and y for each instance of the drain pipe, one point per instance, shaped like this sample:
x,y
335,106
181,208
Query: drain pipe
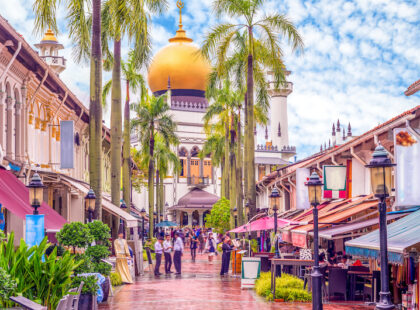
x,y
11,60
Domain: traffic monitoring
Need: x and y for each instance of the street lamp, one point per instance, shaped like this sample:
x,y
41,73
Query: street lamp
x,y
36,192
154,222
166,210
143,215
275,196
380,168
161,217
90,203
123,206
314,192
247,210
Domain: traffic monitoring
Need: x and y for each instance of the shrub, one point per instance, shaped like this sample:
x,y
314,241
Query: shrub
x,y
60,250
219,217
115,279
288,287
100,232
102,268
97,252
90,286
76,235
7,287
85,262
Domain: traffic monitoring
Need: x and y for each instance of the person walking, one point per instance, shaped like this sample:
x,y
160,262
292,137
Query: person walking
x,y
211,246
201,243
167,250
158,253
179,249
193,247
226,248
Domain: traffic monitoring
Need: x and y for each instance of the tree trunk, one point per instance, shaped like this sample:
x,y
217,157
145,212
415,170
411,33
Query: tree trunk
x,y
157,194
249,132
245,158
239,166
232,177
222,182
116,126
151,186
162,197
95,110
126,152
226,170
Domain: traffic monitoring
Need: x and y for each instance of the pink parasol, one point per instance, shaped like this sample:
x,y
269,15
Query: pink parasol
x,y
265,223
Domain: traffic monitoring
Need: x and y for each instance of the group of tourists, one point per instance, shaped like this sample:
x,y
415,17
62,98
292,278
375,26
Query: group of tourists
x,y
166,248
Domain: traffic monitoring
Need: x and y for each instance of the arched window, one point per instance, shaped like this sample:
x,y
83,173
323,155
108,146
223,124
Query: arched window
x,y
183,153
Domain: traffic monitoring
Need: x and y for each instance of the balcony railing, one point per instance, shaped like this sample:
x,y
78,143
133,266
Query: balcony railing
x,y
55,60
198,181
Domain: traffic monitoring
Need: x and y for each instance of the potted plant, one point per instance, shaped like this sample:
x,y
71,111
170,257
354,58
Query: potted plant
x,y
101,234
90,287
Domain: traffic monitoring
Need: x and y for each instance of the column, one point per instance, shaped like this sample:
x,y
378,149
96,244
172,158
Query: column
x,y
9,131
189,218
18,131
2,129
24,122
200,218
188,168
201,168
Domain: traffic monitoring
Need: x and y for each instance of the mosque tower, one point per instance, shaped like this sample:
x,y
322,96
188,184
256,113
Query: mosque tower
x,y
279,126
49,48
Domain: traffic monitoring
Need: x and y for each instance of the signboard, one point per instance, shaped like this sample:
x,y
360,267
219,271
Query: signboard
x,y
251,268
67,144
302,199
335,182
299,240
34,232
407,171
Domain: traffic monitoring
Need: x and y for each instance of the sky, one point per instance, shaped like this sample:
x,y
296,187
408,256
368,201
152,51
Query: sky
x,y
359,58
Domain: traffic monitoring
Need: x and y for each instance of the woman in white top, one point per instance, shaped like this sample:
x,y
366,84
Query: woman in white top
x,y
211,246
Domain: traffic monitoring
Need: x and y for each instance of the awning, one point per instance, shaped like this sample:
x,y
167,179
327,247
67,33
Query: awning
x,y
196,199
265,223
342,231
130,220
402,235
270,161
14,196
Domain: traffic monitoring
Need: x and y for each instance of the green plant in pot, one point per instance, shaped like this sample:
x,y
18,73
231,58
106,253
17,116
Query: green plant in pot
x,y
90,287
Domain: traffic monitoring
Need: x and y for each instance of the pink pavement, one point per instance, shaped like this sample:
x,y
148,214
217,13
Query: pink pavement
x,y
199,287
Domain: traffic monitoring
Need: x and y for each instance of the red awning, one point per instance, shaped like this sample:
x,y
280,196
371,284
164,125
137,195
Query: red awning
x,y
14,196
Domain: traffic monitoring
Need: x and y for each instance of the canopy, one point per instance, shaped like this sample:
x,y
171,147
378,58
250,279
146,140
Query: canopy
x,y
342,231
166,224
196,199
265,223
14,196
130,220
402,235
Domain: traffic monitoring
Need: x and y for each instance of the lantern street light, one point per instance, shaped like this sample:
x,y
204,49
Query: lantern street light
x,y
90,203
235,216
275,196
36,192
380,168
314,192
143,215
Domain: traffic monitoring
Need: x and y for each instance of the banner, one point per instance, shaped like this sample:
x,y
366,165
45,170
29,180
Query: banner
x,y
66,144
407,171
34,229
335,182
302,198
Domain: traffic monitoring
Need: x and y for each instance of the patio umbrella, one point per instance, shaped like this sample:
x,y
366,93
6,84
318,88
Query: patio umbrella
x,y
265,223
166,224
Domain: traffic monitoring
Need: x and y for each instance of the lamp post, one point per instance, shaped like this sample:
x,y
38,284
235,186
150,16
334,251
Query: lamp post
x,y
314,192
274,196
154,222
123,206
247,210
235,216
380,168
143,215
90,203
36,191
166,210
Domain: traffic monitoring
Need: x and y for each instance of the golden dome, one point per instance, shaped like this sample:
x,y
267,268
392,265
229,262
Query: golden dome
x,y
181,63
49,36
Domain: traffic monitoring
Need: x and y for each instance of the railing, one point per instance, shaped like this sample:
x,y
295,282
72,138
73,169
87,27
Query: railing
x,y
198,181
274,149
55,60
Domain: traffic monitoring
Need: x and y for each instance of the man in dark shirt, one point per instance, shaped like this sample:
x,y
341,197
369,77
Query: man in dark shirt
x,y
226,248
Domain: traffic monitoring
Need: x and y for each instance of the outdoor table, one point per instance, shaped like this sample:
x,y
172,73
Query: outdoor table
x,y
290,262
352,275
265,260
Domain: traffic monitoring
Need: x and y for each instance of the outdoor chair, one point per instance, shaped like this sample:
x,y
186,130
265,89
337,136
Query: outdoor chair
x,y
372,287
27,303
358,268
337,282
62,305
359,281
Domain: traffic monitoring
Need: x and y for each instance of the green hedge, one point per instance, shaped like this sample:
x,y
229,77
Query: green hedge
x,y
288,287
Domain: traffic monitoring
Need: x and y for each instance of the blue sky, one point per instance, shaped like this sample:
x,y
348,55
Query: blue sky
x,y
359,58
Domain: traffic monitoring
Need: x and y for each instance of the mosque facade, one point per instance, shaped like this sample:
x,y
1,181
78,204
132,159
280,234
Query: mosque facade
x,y
179,70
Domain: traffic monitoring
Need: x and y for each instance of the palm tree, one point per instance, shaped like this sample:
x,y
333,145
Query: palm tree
x,y
219,42
166,161
77,15
125,18
134,82
152,119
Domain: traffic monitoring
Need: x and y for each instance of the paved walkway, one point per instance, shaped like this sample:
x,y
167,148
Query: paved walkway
x,y
199,287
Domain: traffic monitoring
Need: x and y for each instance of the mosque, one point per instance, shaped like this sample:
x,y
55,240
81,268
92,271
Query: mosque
x,y
179,70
